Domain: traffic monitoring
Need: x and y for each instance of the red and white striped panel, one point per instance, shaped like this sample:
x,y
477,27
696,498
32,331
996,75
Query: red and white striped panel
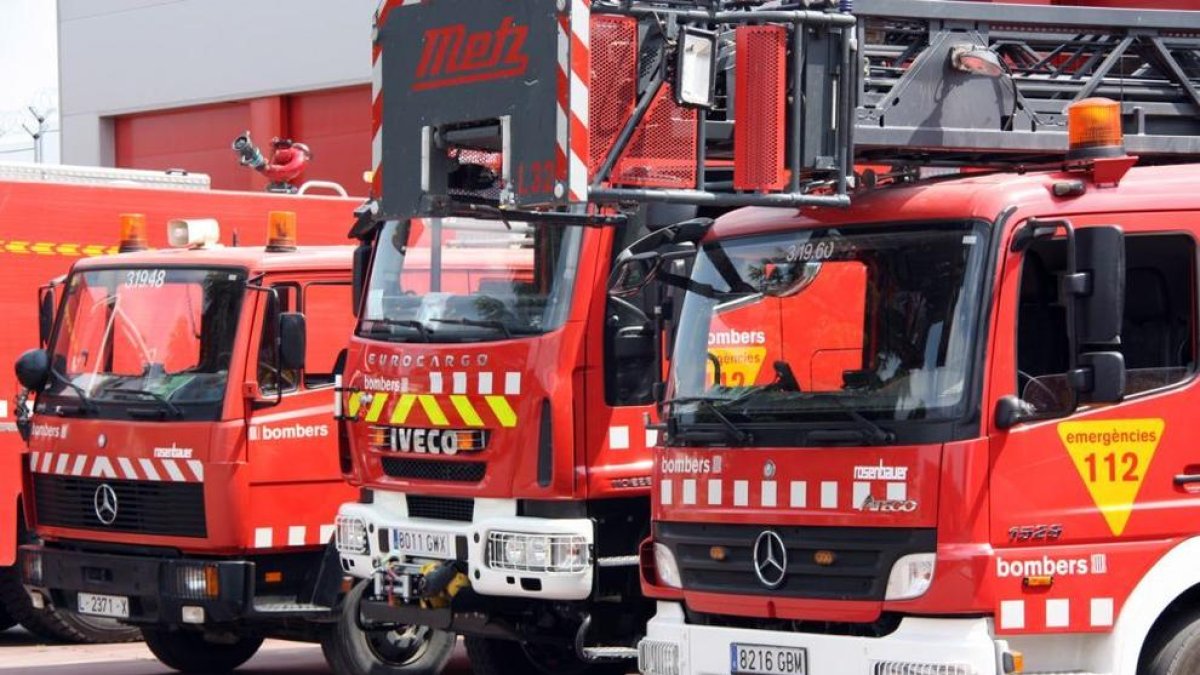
x,y
127,468
769,494
1035,614
292,535
574,75
381,15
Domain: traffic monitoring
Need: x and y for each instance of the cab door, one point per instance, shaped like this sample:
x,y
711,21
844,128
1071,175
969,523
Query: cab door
x,y
1083,501
296,483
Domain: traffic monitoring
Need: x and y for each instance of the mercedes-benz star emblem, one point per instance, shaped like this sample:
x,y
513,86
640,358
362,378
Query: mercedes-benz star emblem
x,y
104,502
770,559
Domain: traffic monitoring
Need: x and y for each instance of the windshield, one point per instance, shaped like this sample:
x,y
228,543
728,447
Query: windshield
x,y
854,325
153,342
469,280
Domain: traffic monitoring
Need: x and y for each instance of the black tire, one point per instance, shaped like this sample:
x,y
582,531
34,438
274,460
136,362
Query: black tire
x,y
189,652
504,657
350,651
57,625
1179,654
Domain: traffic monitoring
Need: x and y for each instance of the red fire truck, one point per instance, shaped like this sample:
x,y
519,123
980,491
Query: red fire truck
x,y
978,472
51,216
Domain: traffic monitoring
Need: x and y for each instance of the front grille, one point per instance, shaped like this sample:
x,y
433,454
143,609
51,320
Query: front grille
x,y
145,507
434,469
441,508
862,558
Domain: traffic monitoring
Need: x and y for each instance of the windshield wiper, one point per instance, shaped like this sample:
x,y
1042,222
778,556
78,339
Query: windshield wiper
x,y
85,403
734,432
421,329
173,409
871,431
494,324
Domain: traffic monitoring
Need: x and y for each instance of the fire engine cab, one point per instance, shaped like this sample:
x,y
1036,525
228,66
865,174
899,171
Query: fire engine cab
x,y
182,469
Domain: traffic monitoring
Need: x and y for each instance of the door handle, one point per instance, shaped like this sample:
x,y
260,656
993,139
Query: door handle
x,y
1182,479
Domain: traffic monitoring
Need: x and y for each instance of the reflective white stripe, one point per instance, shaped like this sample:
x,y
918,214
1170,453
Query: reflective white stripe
x,y
460,383
512,383
829,494
862,490
296,535
80,464
618,438
61,467
173,470
897,491
485,384
127,468
197,468
1102,612
651,438
435,383
1058,613
714,492
46,459
377,148
148,469
741,493
1012,614
689,491
103,468
33,460
768,494
3,408
327,533
799,494
664,491
262,537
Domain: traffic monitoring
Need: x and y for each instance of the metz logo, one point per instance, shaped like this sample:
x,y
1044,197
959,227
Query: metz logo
x,y
452,56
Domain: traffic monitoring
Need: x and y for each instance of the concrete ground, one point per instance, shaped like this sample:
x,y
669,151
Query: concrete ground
x,y
21,652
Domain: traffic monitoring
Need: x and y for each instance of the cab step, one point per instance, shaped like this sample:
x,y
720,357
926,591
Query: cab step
x,y
282,604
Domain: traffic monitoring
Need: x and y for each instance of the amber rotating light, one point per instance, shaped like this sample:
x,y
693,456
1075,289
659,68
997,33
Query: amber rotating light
x,y
1094,129
133,233
281,231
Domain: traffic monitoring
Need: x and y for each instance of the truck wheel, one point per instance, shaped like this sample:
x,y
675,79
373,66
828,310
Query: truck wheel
x,y
349,650
1180,654
189,652
504,657
56,625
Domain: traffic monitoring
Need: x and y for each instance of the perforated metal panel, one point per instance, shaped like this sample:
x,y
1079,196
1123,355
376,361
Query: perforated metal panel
x,y
662,152
614,82
759,136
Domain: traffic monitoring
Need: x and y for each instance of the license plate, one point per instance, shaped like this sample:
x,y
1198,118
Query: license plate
x,y
116,606
426,544
765,660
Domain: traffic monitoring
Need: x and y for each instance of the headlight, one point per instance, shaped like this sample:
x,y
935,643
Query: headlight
x,y
197,581
911,576
666,568
549,553
351,535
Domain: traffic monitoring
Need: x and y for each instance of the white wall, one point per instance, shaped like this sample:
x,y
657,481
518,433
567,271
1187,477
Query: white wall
x,y
123,56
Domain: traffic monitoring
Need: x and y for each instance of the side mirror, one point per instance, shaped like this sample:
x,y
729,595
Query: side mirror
x,y
1010,410
293,341
358,276
1099,284
33,369
45,316
1100,377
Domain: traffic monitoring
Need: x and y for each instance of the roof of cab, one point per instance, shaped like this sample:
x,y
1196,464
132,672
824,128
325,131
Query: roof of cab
x,y
980,196
256,259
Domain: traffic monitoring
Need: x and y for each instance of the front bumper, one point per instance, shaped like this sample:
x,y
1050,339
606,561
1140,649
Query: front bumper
x,y
389,512
221,591
919,645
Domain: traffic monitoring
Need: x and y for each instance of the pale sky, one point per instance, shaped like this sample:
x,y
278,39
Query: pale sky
x,y
28,75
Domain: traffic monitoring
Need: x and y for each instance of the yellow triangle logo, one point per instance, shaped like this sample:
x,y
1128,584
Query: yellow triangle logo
x,y
1112,457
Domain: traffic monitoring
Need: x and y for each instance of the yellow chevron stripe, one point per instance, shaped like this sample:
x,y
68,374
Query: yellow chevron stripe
x,y
502,410
68,249
93,250
466,411
376,408
403,408
353,403
43,248
17,247
54,248
433,410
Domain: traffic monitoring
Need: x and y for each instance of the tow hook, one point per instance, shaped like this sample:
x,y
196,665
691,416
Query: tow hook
x,y
440,582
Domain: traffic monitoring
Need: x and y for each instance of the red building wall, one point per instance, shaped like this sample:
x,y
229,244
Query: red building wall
x,y
335,124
